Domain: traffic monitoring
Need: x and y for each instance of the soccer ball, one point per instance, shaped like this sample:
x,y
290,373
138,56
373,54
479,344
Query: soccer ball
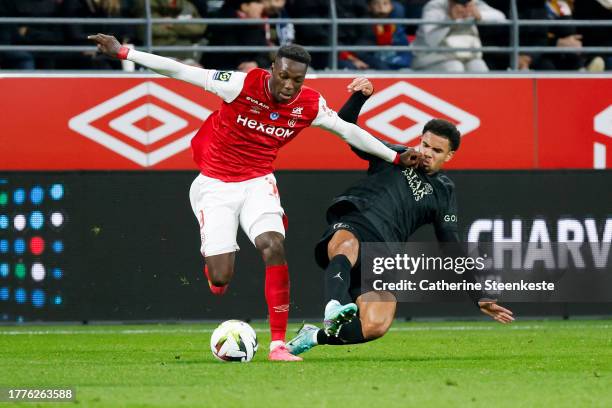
x,y
234,340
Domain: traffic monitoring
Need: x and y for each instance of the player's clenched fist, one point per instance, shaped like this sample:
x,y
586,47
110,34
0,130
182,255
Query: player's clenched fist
x,y
107,44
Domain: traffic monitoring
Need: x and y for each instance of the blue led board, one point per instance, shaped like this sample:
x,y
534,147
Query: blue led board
x,y
32,244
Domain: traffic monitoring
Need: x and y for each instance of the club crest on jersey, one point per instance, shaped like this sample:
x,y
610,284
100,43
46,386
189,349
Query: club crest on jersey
x,y
297,111
274,115
292,122
222,76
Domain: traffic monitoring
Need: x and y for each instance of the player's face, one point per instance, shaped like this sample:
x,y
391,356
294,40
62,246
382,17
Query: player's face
x,y
436,151
287,79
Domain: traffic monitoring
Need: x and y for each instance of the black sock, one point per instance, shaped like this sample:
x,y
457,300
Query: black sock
x,y
350,333
338,279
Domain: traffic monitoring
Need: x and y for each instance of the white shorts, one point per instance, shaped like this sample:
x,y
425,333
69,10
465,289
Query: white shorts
x,y
220,207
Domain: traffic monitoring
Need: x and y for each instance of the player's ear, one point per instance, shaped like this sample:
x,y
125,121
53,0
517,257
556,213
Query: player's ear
x,y
449,155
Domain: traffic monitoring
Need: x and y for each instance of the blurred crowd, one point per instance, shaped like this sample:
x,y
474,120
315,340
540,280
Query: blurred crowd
x,y
427,39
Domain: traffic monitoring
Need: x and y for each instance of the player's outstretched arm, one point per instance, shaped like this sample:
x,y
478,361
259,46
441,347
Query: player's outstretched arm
x,y
361,89
108,45
360,139
364,141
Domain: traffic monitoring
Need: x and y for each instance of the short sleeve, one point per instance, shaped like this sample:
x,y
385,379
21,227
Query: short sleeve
x,y
225,84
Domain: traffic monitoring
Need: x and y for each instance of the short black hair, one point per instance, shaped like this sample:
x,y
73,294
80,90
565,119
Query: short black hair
x,y
446,129
294,52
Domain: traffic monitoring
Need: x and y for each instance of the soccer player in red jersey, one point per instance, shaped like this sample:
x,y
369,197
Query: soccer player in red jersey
x,y
234,150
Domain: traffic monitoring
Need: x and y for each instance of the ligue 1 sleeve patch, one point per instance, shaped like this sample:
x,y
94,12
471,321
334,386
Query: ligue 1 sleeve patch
x,y
223,76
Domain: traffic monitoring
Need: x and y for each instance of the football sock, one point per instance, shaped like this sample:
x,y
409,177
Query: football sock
x,y
350,333
277,298
338,279
216,290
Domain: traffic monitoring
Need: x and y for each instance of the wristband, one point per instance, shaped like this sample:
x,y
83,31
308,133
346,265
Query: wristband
x,y
397,159
123,53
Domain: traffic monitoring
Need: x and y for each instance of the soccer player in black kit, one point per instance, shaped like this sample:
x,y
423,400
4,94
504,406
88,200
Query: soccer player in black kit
x,y
389,205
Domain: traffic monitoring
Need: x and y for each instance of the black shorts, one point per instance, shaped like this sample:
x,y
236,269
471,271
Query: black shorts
x,y
356,223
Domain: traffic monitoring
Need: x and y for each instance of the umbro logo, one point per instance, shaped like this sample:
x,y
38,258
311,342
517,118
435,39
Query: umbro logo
x,y
401,100
121,132
297,110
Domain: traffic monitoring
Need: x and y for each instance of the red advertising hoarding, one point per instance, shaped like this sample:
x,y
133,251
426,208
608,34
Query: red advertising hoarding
x,y
74,123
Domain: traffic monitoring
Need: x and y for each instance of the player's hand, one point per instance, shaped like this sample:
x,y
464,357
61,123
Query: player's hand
x,y
107,44
411,158
362,84
496,312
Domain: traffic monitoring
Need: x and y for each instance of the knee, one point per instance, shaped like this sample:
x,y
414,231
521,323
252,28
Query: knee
x,y
348,247
374,328
271,247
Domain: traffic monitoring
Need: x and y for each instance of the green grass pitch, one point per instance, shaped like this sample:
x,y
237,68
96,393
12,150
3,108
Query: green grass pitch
x,y
458,364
